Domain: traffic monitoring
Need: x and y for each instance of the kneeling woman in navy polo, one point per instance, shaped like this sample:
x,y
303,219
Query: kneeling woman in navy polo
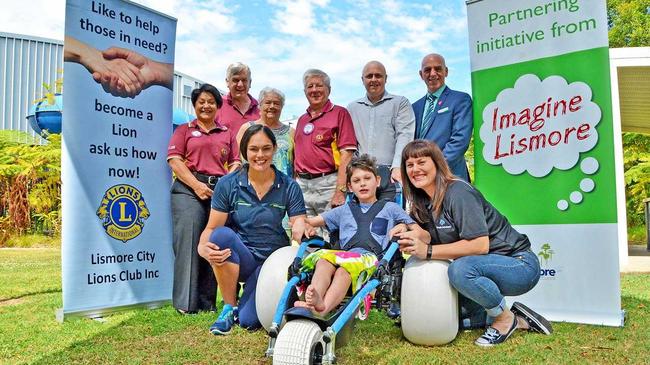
x,y
245,225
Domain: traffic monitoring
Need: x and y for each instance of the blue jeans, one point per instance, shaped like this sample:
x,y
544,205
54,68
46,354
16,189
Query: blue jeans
x,y
249,271
483,280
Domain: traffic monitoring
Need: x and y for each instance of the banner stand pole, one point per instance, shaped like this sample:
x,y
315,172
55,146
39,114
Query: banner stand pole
x,y
61,316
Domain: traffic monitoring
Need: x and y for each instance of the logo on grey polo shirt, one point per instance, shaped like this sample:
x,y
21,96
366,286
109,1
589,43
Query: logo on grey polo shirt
x,y
442,224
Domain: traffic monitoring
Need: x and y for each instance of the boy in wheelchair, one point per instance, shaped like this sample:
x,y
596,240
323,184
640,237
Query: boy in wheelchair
x,y
363,225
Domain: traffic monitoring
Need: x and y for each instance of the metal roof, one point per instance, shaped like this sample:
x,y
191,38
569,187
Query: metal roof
x,y
631,87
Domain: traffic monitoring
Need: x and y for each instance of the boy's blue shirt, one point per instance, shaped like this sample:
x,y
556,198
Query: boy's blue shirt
x,y
341,219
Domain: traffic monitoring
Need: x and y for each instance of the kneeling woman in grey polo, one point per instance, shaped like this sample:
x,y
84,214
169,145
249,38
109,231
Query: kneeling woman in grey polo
x,y
245,225
491,259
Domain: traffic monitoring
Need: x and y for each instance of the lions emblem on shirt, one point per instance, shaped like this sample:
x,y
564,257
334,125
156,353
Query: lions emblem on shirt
x,y
319,137
123,212
224,152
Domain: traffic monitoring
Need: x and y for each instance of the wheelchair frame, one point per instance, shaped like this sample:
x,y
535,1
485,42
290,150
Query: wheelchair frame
x,y
387,279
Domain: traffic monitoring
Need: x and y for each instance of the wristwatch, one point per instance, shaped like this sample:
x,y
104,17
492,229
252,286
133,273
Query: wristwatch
x,y
342,188
429,251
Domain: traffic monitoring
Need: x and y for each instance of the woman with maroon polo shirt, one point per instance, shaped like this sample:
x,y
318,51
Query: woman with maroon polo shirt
x,y
199,153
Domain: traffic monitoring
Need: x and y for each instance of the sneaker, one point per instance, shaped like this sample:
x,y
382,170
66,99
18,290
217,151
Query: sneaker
x,y
393,310
536,323
235,313
493,337
223,324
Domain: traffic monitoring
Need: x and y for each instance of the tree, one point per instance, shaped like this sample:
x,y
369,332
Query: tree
x,y
636,158
629,23
30,183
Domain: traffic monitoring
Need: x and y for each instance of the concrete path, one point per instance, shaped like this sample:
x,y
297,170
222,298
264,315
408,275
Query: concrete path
x,y
638,260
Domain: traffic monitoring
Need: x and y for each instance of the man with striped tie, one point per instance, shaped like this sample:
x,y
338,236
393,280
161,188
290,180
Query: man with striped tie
x,y
444,116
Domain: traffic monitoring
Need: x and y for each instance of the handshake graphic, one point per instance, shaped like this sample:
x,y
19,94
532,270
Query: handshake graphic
x,y
121,72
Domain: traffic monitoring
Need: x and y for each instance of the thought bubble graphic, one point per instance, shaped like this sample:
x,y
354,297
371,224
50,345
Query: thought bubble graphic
x,y
587,185
575,197
589,165
540,125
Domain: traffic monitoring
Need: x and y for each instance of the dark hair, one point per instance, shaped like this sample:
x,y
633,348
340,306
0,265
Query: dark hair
x,y
248,134
207,88
419,198
364,162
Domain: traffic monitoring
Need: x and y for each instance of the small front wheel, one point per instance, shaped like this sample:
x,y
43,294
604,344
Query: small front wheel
x,y
300,342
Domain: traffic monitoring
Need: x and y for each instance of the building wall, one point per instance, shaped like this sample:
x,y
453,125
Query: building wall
x,y
27,62
183,86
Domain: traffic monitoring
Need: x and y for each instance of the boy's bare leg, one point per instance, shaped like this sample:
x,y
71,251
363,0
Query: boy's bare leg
x,y
335,293
322,276
322,279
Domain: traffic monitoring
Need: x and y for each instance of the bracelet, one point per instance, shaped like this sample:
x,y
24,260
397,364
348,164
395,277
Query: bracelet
x,y
429,251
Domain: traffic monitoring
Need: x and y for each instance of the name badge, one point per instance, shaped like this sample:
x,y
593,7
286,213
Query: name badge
x,y
308,128
196,134
443,110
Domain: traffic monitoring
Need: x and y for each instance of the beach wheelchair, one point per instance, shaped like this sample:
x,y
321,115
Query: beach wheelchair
x,y
429,309
417,294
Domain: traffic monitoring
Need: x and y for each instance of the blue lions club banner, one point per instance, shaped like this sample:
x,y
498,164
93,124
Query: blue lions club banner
x,y
116,241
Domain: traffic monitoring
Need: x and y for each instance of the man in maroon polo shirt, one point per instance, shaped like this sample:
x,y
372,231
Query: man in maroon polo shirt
x,y
239,106
324,144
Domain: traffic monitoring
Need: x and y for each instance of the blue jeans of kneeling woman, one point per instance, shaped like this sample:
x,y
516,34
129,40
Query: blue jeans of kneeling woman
x,y
249,271
483,280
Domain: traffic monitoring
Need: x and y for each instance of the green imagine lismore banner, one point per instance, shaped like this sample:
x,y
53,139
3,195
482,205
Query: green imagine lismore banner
x,y
544,145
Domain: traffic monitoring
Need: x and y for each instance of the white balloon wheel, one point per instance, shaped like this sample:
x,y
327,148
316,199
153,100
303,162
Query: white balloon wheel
x,y
271,283
300,342
429,304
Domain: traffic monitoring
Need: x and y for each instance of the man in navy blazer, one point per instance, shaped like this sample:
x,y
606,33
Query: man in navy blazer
x,y
444,116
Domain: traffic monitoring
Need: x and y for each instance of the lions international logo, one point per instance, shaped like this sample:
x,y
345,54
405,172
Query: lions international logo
x,y
319,137
224,152
123,212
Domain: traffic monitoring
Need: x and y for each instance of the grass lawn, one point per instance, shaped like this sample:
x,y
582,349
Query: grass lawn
x,y
30,291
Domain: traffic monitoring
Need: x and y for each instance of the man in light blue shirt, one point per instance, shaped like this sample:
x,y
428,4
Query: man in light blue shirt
x,y
383,123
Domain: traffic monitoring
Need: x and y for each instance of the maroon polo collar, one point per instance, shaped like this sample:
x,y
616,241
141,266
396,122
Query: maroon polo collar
x,y
228,99
195,124
326,108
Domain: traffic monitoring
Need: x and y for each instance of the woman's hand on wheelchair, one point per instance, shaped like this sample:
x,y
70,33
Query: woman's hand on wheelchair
x,y
310,231
300,229
213,254
397,230
410,243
